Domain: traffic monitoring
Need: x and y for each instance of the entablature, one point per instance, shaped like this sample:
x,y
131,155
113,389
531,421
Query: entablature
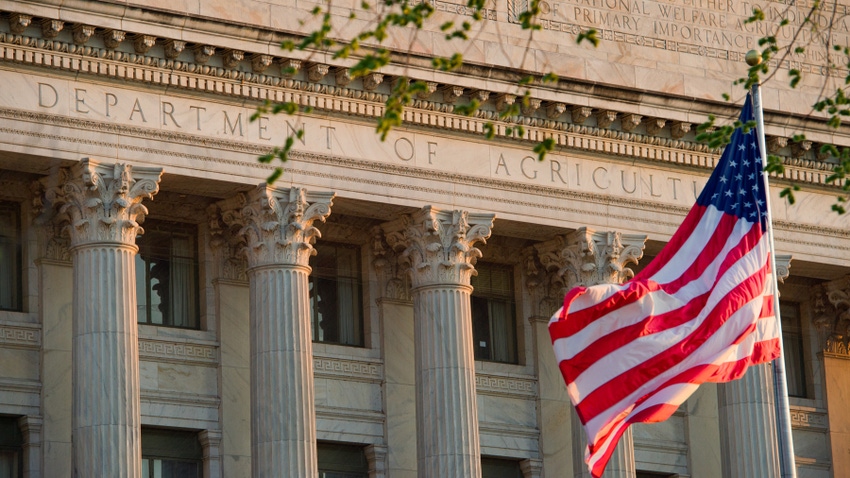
x,y
587,119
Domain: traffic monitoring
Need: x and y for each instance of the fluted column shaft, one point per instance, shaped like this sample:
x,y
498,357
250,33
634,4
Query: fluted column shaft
x,y
622,461
439,250
106,421
274,230
100,207
748,425
282,395
447,410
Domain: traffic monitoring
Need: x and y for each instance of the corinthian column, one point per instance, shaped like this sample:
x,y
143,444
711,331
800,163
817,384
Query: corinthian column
x,y
584,258
748,425
101,207
438,247
277,229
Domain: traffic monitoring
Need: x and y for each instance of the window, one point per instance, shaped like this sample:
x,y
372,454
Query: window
x,y
167,275
500,468
652,474
171,454
10,256
336,292
341,461
494,313
11,450
792,340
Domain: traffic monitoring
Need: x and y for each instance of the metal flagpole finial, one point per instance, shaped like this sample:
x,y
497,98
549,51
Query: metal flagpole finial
x,y
753,58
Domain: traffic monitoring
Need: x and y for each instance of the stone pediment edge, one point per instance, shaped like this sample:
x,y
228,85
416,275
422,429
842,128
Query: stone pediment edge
x,y
395,170
53,55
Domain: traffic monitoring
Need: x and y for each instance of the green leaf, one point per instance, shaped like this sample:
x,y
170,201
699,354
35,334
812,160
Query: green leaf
x,y
589,35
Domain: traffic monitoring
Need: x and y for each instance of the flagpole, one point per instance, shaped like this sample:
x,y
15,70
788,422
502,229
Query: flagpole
x,y
780,385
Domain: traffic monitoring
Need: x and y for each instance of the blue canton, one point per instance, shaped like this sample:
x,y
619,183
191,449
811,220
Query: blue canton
x,y
737,186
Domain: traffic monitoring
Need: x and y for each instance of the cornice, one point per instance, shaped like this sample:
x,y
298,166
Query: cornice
x,y
247,76
568,201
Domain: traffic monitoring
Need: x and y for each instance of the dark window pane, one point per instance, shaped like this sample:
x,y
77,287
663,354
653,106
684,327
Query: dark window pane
x,y
336,293
10,256
337,460
11,448
500,468
794,355
171,454
162,468
167,275
494,313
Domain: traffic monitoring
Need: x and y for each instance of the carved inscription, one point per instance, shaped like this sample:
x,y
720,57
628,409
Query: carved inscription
x,y
715,28
166,113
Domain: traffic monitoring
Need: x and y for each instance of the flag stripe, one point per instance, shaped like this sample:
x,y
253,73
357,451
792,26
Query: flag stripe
x,y
643,366
702,311
634,303
730,366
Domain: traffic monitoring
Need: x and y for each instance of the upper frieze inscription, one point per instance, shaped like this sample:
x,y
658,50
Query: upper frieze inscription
x,y
715,27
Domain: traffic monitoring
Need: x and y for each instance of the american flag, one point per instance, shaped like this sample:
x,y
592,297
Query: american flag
x,y
702,311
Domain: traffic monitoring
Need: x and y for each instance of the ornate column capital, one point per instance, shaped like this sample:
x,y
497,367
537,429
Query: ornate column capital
x,y
277,224
390,268
101,202
587,257
545,287
227,246
832,316
438,246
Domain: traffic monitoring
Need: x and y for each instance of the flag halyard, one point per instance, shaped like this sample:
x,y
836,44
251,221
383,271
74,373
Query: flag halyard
x,y
702,311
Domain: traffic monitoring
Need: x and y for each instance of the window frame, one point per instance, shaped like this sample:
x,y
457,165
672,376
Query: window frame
x,y
501,462
154,433
12,441
799,340
342,470
16,242
358,283
484,296
172,228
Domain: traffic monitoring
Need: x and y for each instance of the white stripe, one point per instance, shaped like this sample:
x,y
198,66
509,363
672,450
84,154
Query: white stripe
x,y
654,303
644,348
691,248
676,394
718,345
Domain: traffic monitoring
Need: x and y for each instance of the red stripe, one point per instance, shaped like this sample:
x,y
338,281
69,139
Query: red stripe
x,y
679,238
767,307
652,324
710,252
621,386
762,352
637,289
571,323
607,344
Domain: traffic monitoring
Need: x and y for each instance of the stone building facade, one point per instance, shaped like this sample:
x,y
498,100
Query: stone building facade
x,y
381,309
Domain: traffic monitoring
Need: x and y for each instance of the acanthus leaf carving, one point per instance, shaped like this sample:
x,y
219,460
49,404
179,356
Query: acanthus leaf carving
x,y
438,246
587,257
832,316
97,202
277,224
227,245
390,268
